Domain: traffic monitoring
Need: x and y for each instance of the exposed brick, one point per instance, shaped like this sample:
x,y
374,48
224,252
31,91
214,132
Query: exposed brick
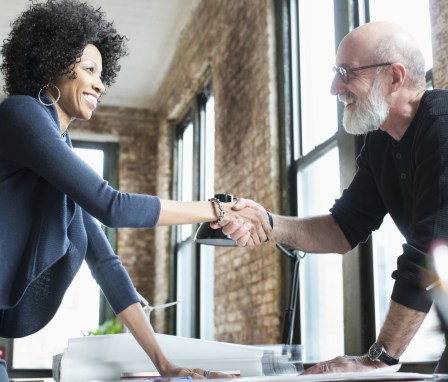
x,y
439,22
230,39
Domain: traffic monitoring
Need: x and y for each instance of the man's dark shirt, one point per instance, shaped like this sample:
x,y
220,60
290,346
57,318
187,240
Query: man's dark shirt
x,y
409,180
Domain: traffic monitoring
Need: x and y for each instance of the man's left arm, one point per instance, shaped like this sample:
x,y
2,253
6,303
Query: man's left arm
x,y
399,328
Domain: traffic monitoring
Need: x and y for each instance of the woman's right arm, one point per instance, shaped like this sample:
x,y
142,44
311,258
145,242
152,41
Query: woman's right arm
x,y
30,137
247,226
31,142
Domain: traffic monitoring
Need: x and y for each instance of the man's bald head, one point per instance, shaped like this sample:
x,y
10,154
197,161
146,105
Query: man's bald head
x,y
382,41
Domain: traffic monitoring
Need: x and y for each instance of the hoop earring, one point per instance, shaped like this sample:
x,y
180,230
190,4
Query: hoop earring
x,y
45,87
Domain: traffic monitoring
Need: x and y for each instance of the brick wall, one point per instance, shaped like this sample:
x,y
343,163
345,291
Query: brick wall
x,y
230,37
439,17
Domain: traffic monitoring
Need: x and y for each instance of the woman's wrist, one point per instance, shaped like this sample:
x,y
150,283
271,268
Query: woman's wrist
x,y
164,367
219,209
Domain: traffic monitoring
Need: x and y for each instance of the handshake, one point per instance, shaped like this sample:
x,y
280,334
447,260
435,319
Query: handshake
x,y
243,220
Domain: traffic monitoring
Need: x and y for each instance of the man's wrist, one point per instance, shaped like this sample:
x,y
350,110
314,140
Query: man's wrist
x,y
271,220
377,353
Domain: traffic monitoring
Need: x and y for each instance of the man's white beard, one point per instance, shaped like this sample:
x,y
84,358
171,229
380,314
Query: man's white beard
x,y
368,114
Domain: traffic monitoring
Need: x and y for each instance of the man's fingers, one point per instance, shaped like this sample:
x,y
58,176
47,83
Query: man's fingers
x,y
233,227
249,241
241,204
343,364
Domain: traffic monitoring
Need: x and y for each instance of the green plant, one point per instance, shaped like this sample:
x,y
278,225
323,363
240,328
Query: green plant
x,y
112,326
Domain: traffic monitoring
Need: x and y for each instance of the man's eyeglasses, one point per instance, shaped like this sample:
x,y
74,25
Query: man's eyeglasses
x,y
345,72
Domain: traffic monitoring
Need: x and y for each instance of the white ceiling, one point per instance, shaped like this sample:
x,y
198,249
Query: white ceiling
x,y
153,28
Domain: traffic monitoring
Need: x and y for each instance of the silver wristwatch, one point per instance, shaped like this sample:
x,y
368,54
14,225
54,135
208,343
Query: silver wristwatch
x,y
377,352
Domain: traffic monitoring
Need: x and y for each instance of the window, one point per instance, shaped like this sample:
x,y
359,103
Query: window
x,y
316,159
207,253
321,275
311,75
185,248
80,308
194,180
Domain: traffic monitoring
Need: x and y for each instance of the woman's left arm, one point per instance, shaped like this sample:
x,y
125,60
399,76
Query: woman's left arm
x,y
117,286
135,320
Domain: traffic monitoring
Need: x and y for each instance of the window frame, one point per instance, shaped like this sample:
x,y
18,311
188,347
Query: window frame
x,y
292,161
195,115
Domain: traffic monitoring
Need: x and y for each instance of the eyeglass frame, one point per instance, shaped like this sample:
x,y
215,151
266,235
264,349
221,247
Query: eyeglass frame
x,y
345,76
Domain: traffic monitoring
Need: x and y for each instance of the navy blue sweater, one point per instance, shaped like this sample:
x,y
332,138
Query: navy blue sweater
x,y
409,180
48,196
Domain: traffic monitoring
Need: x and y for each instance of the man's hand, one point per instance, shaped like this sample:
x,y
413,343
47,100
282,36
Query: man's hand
x,y
247,223
345,364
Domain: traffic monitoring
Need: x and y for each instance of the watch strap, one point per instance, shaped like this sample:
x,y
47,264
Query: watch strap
x,y
387,359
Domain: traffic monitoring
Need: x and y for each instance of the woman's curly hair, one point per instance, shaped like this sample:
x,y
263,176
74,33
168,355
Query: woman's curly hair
x,y
49,38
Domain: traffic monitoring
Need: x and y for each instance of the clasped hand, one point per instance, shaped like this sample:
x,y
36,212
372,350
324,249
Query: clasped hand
x,y
246,222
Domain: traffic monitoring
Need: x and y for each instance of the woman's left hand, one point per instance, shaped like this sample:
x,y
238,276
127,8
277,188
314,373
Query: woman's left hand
x,y
195,373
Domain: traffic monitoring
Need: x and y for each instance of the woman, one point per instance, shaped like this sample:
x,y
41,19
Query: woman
x,y
58,58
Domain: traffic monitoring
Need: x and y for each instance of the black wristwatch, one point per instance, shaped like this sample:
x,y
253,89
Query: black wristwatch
x,y
377,352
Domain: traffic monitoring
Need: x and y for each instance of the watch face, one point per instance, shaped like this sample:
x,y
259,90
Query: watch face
x,y
375,350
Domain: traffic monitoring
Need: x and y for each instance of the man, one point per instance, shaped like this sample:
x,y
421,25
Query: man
x,y
402,170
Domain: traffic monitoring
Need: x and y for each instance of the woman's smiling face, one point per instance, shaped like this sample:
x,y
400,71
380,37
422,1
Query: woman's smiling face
x,y
79,96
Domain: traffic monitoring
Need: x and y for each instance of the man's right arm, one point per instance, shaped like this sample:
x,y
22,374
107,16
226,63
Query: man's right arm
x,y
319,234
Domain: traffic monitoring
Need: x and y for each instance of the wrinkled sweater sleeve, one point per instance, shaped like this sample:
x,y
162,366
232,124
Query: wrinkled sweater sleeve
x,y
107,268
29,137
360,209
